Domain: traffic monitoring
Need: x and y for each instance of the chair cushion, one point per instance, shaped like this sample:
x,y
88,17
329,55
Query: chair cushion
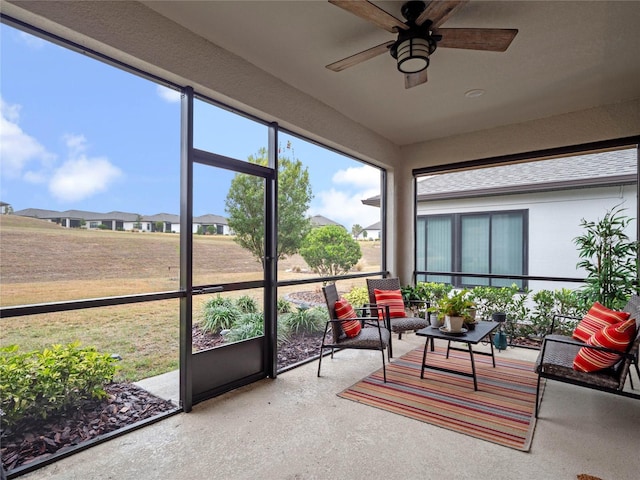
x,y
345,312
392,298
595,320
558,360
617,337
405,324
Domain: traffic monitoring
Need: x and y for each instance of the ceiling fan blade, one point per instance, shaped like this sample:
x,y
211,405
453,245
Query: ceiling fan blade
x,y
439,11
359,57
490,39
372,13
415,79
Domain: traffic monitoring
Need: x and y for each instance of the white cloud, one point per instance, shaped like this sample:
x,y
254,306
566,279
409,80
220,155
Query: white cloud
x,y
82,177
343,204
76,144
168,94
361,177
22,156
39,177
17,148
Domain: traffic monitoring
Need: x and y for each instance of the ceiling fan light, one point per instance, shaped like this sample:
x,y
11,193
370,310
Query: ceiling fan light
x,y
413,54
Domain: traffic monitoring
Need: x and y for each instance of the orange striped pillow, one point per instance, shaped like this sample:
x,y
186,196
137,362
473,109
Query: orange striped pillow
x,y
617,337
597,318
344,311
393,298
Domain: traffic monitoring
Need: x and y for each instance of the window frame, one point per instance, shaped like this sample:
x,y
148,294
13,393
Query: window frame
x,y
456,245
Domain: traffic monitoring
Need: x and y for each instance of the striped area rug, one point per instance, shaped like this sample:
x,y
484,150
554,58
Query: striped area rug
x,y
501,411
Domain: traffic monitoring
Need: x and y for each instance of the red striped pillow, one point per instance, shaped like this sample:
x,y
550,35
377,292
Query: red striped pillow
x,y
344,311
617,337
597,318
393,298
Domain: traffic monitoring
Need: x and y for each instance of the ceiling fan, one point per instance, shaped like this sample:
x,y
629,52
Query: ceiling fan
x,y
420,35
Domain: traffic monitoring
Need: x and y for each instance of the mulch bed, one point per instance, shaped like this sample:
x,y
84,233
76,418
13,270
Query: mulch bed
x,y
124,405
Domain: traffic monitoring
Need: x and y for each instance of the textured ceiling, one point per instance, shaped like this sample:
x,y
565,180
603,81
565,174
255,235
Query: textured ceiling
x,y
567,56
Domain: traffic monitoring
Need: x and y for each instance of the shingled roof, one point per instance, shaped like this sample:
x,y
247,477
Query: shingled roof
x,y
320,221
617,167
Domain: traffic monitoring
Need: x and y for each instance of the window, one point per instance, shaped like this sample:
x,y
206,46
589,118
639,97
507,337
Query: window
x,y
485,242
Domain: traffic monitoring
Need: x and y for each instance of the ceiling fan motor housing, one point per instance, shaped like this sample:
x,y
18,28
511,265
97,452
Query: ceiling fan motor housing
x,y
413,48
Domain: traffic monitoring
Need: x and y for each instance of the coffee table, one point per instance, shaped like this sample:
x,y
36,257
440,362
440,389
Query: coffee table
x,y
471,337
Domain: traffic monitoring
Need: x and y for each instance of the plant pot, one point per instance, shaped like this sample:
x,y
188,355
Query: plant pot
x,y
499,317
470,325
453,324
435,321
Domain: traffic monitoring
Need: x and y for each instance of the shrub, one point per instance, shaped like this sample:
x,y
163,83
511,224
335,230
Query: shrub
x,y
246,304
547,304
251,325
219,313
330,250
38,384
305,320
246,326
509,300
358,296
219,300
284,306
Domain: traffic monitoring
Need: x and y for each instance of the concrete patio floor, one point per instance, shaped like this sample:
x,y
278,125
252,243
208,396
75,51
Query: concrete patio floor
x,y
296,427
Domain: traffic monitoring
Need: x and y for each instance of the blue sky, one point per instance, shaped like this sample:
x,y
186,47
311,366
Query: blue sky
x,y
76,133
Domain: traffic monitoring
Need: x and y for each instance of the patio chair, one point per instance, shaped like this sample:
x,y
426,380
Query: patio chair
x,y
371,335
397,320
558,352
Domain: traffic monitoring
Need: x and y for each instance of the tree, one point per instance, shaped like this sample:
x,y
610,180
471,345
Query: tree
x,y
330,250
356,229
245,207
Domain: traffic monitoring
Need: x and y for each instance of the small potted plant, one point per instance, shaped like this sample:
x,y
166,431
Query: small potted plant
x,y
456,308
435,317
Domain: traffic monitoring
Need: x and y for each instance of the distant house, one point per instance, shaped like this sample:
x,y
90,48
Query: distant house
x,y
518,219
372,232
320,221
69,218
209,222
161,222
4,208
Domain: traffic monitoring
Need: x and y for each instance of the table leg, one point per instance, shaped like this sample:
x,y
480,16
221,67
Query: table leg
x,y
473,367
424,356
493,358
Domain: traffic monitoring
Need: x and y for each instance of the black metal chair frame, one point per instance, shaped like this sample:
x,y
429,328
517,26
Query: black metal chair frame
x,y
628,358
340,341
